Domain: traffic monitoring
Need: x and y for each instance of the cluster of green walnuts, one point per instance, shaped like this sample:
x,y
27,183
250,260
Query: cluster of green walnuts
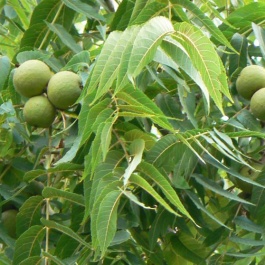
x,y
46,92
251,85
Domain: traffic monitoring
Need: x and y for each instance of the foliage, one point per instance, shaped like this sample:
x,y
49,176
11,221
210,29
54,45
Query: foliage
x,y
142,169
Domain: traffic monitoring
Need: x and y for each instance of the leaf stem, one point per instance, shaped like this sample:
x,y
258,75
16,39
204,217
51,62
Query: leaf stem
x,y
47,212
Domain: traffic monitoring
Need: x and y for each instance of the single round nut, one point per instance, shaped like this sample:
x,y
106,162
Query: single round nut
x,y
64,88
257,104
38,111
250,80
31,78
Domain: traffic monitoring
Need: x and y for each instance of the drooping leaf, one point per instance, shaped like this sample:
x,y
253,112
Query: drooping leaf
x,y
247,255
65,167
258,199
71,153
188,104
141,182
122,78
95,156
205,59
135,200
170,54
164,184
112,66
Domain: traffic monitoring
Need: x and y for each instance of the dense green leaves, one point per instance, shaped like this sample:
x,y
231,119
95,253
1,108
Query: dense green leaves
x,y
144,168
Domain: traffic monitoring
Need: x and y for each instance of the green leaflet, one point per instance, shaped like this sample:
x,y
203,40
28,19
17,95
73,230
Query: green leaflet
x,y
205,59
180,249
146,43
136,150
242,19
150,171
205,20
65,36
141,182
65,230
139,103
45,11
105,187
51,192
29,214
84,9
107,219
64,167
29,244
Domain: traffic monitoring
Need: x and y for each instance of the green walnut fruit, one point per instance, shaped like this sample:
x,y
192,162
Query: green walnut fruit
x,y
250,80
39,112
31,78
64,88
8,220
249,173
257,104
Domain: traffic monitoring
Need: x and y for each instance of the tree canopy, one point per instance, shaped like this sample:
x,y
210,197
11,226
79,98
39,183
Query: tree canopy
x,y
160,160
